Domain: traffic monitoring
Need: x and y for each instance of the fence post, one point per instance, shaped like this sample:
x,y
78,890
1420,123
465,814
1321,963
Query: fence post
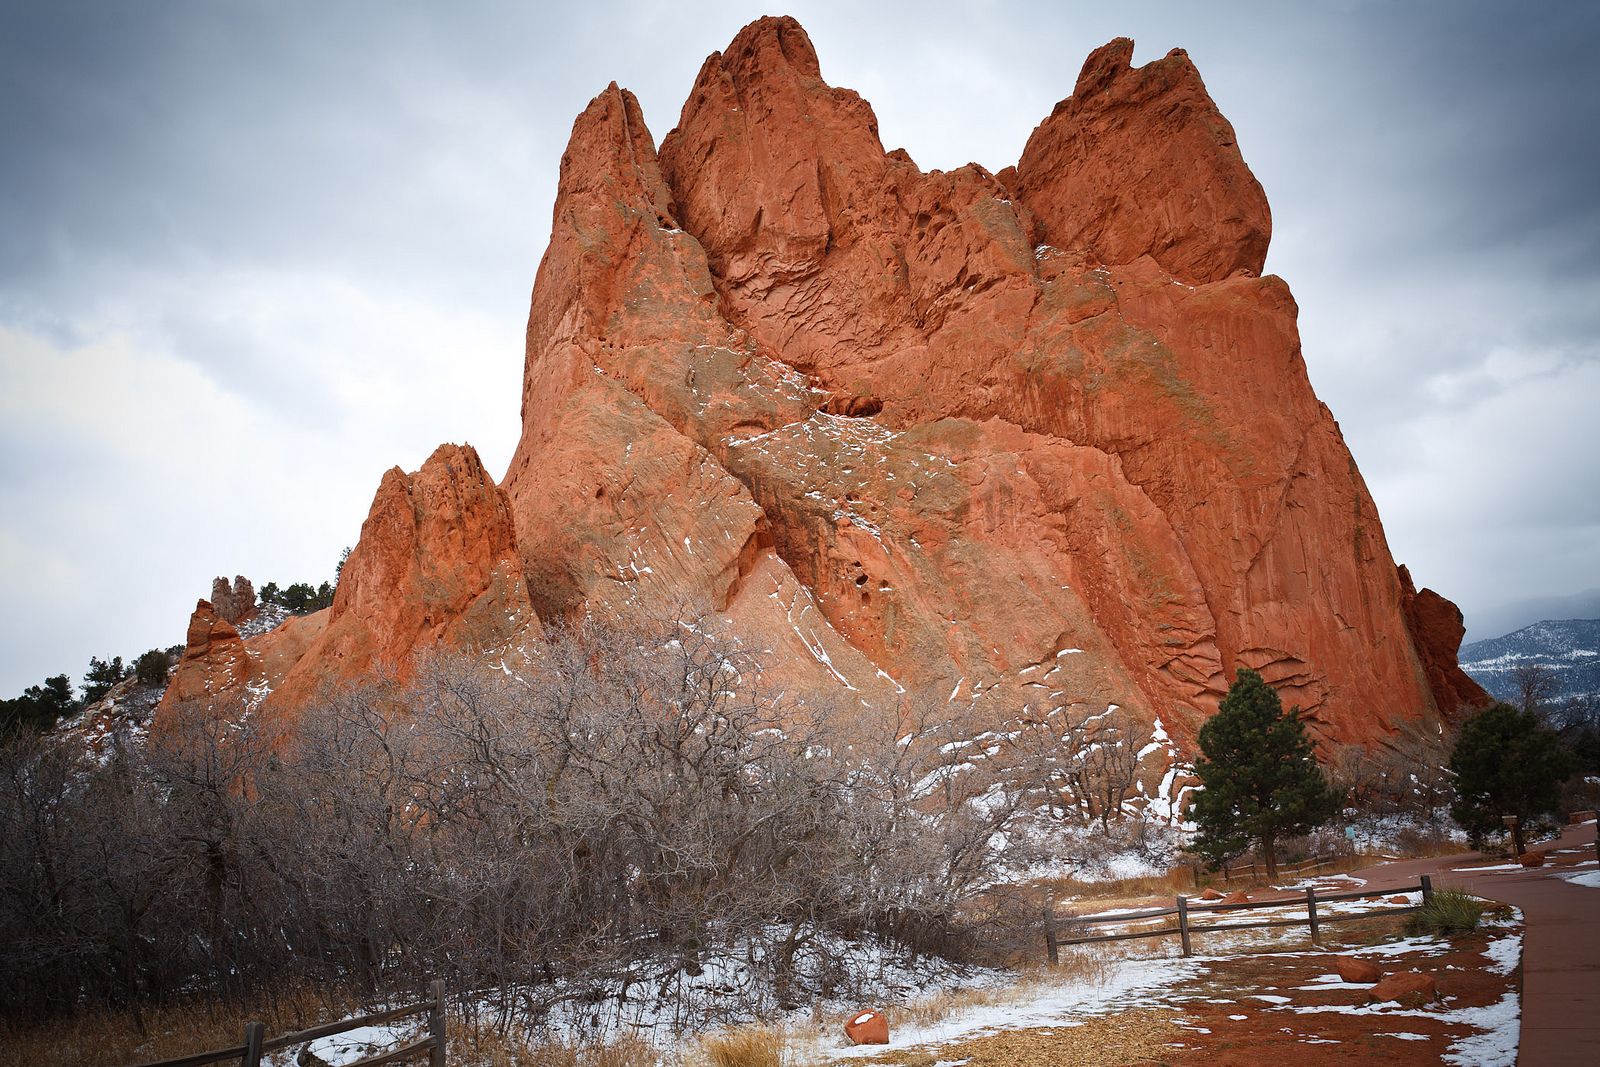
x,y
436,1024
1183,923
1051,948
1311,912
1427,889
254,1034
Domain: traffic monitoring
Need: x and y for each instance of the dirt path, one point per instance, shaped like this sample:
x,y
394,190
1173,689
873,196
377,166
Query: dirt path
x,y
1561,943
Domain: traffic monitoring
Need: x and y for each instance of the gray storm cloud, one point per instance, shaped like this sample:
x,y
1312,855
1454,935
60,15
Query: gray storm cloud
x,y
253,254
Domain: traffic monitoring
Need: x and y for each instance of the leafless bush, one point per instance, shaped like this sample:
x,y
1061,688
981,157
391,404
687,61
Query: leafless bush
x,y
601,822
1085,763
1406,775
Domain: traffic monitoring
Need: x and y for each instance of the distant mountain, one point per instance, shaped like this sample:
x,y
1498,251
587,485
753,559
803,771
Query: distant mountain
x,y
1569,648
1485,622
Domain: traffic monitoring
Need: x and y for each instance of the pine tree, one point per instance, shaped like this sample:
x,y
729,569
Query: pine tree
x,y
39,707
1506,762
1262,782
101,676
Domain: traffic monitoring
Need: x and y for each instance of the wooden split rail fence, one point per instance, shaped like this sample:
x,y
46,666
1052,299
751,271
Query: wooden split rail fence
x,y
1185,908
257,1045
1257,869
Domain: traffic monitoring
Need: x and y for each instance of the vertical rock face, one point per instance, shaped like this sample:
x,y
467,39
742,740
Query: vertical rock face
x,y
1024,441
1036,439
1437,629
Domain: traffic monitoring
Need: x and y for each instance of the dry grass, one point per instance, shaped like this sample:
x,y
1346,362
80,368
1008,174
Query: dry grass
x,y
755,1046
528,1051
1178,880
1140,1037
112,1039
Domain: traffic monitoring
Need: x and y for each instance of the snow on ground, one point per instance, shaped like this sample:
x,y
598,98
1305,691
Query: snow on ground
x,y
364,1041
1588,878
1504,953
1332,882
1397,833
1127,985
1133,984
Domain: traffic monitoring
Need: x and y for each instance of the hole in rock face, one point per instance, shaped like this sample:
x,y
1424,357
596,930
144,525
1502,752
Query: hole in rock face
x,y
861,579
600,492
853,405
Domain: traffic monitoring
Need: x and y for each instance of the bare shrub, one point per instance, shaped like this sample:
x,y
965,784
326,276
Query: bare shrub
x,y
623,822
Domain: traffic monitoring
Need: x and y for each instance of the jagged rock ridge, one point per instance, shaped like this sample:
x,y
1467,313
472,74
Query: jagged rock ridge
x,y
1030,440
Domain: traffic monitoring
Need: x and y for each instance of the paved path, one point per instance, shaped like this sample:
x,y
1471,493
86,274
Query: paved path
x,y
1560,946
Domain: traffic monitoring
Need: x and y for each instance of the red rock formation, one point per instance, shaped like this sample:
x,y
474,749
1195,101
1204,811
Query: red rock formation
x,y
236,603
1023,441
219,668
1139,162
436,565
963,424
1436,631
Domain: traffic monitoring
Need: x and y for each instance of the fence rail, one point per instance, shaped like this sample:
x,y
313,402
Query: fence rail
x,y
1255,867
257,1045
1185,908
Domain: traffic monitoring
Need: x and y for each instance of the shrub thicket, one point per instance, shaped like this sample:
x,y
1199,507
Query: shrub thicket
x,y
622,813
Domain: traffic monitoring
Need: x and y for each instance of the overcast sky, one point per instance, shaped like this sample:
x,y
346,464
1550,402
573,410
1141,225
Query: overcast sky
x,y
253,254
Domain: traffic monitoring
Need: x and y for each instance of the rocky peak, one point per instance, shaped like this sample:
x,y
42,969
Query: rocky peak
x,y
945,436
1139,161
207,630
235,603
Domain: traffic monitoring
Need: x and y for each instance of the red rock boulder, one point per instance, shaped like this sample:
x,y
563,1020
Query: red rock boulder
x,y
1233,899
1531,859
1211,894
1410,989
1356,971
867,1028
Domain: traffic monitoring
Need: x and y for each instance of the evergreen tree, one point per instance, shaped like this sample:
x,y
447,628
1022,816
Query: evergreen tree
x,y
101,676
1506,762
1262,782
39,707
151,668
